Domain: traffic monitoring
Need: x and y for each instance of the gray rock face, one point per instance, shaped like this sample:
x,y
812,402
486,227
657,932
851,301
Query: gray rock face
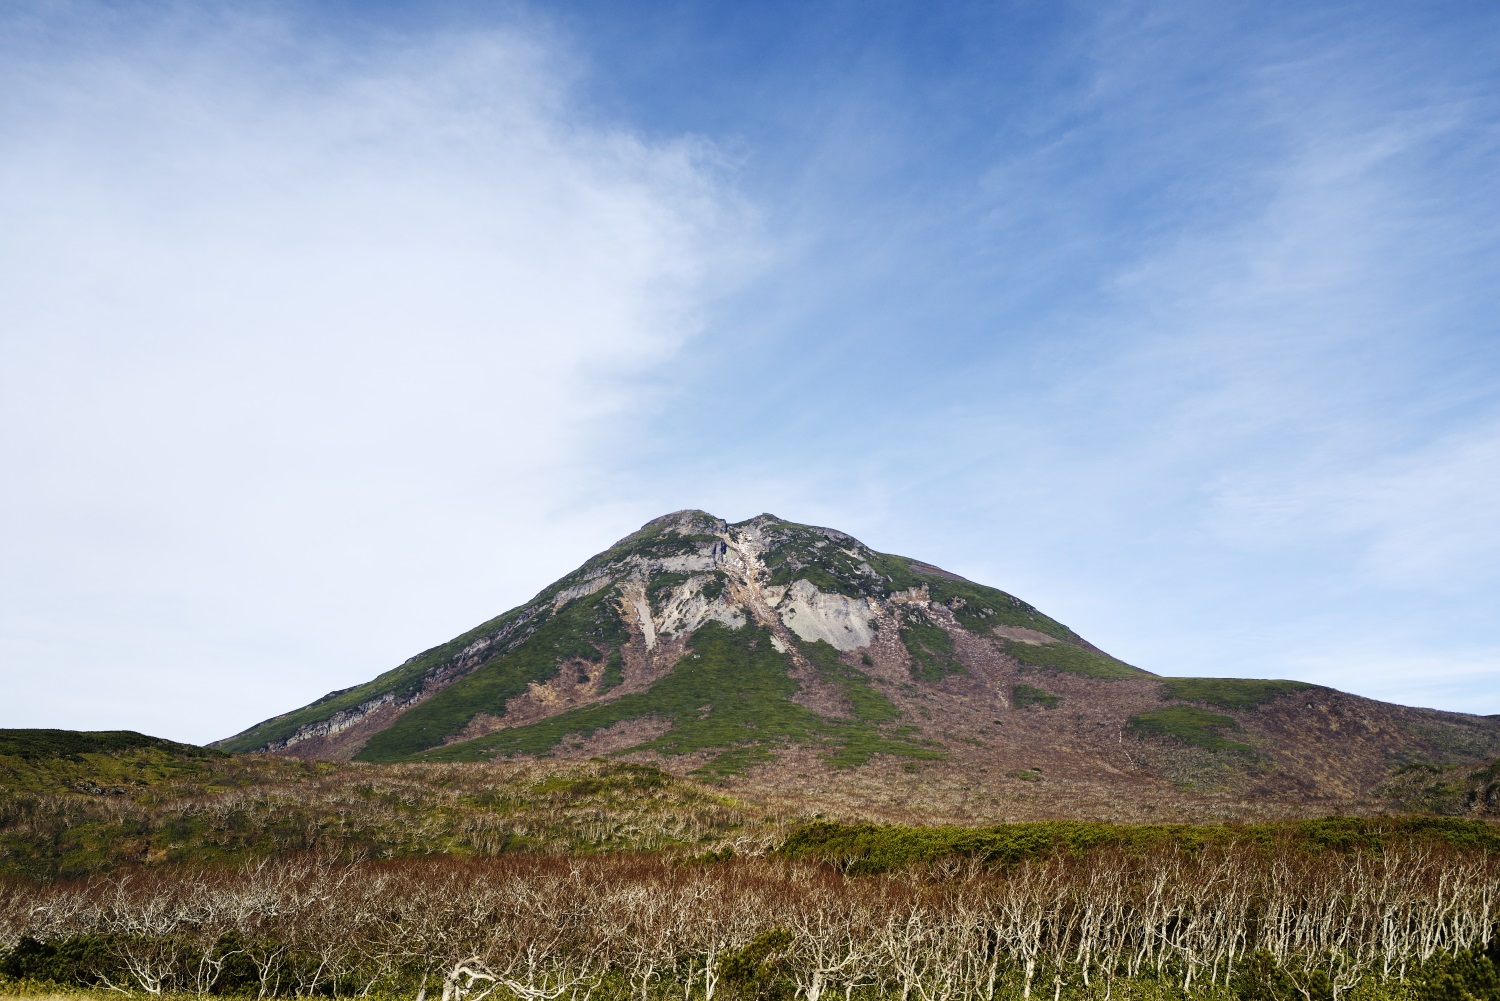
x,y
845,623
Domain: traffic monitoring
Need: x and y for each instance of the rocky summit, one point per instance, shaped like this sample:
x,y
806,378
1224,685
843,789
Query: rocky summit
x,y
796,660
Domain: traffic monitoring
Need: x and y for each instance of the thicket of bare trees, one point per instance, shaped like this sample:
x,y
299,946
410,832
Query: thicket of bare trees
x,y
537,928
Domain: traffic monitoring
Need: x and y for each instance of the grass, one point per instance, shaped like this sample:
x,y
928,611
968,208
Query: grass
x,y
1190,725
587,629
74,745
978,608
1025,696
731,695
654,540
1229,693
866,701
1074,659
869,848
404,681
802,552
67,817
661,586
931,648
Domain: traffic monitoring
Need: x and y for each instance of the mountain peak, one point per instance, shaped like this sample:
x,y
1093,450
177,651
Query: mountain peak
x,y
736,650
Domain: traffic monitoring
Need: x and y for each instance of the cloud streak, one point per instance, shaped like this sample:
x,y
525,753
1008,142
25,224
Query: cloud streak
x,y
292,331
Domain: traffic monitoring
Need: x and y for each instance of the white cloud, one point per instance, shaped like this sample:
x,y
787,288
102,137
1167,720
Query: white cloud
x,y
1429,518
296,340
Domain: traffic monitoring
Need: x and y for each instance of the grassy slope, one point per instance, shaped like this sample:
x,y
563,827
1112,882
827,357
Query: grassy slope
x,y
587,629
403,681
652,540
1073,659
1230,693
1190,725
1461,789
731,694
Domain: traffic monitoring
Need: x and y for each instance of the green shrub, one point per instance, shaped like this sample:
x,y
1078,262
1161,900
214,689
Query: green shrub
x,y
39,745
1025,696
77,961
1074,659
745,969
872,848
931,648
1471,975
1190,725
1229,693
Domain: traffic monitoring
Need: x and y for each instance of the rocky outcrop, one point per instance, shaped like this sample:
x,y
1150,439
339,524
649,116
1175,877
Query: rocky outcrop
x,y
843,622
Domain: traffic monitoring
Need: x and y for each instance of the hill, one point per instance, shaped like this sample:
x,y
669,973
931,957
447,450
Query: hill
x,y
783,657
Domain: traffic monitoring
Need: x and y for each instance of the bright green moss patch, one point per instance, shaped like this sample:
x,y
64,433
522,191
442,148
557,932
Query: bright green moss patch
x,y
1075,659
1024,696
1229,693
1193,726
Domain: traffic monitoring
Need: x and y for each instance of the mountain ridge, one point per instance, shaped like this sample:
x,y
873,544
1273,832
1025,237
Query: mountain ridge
x,y
763,650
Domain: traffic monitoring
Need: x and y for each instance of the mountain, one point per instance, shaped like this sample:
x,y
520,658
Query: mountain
x,y
798,660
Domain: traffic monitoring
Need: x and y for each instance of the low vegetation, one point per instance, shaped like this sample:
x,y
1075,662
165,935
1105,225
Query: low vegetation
x,y
1074,659
133,865
587,629
930,648
873,848
1218,923
65,818
1024,696
1190,725
740,731
1230,693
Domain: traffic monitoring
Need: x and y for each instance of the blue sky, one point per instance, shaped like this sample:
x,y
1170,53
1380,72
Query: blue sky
x,y
331,329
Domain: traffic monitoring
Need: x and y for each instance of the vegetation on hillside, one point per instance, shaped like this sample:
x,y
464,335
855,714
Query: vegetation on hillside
x,y
138,865
400,682
731,696
49,746
68,817
1070,658
872,848
978,608
1458,790
1230,693
1024,696
588,629
930,648
1190,725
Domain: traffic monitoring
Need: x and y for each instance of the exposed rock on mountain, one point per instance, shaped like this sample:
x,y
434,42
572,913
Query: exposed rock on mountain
x,y
796,658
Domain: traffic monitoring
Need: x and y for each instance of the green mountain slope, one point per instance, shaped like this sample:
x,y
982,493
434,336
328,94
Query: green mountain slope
x,y
768,648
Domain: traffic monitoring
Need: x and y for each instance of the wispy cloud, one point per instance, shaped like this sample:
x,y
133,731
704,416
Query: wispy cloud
x,y
295,332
